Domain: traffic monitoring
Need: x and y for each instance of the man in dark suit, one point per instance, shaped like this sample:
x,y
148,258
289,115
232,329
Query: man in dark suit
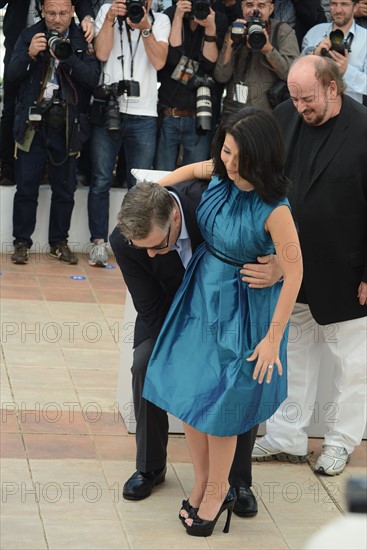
x,y
19,15
163,223
325,133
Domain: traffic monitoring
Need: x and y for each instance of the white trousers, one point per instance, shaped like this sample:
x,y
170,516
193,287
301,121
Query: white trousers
x,y
311,347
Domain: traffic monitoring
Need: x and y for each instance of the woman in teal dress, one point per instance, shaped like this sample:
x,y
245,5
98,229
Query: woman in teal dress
x,y
222,339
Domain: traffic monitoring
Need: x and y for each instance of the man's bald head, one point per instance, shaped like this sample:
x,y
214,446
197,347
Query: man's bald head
x,y
315,86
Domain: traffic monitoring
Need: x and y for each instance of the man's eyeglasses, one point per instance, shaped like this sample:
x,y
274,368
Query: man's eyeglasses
x,y
251,5
158,247
344,5
53,14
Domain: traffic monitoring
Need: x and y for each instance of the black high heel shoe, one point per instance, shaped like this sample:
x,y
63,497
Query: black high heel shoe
x,y
189,509
204,527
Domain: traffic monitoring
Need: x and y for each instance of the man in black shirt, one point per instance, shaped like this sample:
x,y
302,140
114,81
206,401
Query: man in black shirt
x,y
194,44
325,138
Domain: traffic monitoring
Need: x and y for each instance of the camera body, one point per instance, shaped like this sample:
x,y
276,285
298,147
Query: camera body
x,y
253,31
61,48
200,9
135,10
110,93
130,87
255,36
203,85
49,111
337,43
238,34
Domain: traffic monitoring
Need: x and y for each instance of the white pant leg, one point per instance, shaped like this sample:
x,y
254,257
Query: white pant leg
x,y
285,429
348,352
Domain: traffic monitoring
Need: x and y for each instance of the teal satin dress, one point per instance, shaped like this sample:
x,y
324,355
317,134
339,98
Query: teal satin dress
x,y
198,370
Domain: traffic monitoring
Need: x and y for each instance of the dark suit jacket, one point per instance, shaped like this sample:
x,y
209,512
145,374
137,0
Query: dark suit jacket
x,y
153,282
332,219
16,17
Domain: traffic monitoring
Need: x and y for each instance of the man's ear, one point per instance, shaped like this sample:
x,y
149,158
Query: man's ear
x,y
333,89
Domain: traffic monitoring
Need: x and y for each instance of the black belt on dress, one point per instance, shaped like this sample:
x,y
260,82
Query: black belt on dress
x,y
224,258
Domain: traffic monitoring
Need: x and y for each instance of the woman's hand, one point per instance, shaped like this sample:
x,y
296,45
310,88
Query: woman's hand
x,y
267,355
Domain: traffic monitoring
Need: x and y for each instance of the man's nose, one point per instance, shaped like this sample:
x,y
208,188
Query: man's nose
x,y
151,252
300,105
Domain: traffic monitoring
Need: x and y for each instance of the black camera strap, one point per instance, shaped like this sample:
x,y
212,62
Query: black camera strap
x,y
132,53
120,21
348,41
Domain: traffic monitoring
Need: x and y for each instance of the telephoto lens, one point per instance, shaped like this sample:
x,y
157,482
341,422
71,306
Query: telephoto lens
x,y
112,120
337,41
200,9
255,25
135,10
203,110
62,49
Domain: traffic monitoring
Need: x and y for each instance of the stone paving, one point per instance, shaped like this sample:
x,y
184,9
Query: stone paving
x,y
65,449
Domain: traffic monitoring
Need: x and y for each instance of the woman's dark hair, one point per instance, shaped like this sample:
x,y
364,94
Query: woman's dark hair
x,y
261,151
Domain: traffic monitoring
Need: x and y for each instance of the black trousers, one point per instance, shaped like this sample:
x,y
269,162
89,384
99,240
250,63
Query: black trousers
x,y
152,428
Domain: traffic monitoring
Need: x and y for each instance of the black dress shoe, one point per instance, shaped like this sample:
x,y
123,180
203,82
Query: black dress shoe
x,y
140,484
246,505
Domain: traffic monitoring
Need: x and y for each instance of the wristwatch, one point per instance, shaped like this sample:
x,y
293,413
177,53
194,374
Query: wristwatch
x,y
146,32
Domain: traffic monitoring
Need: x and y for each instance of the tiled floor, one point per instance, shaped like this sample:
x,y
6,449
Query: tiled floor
x,y
66,452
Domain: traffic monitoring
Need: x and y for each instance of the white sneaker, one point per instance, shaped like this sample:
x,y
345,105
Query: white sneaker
x,y
264,451
332,460
98,255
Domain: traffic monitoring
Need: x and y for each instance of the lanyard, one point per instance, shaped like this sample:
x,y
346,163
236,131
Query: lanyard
x,y
132,53
348,41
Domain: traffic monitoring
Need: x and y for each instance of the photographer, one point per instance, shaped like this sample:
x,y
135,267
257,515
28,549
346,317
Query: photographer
x,y
345,42
55,76
254,62
19,15
132,41
196,36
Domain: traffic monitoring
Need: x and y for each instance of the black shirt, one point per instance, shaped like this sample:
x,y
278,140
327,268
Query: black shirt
x,y
173,93
306,152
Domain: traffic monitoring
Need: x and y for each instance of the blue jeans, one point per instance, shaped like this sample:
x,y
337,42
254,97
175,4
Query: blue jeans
x,y
176,131
137,136
29,171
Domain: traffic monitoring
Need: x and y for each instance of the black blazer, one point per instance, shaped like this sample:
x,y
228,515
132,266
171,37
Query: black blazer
x,y
153,282
332,218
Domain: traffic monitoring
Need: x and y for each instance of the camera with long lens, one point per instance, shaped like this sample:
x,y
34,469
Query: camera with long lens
x,y
61,48
337,43
49,111
255,37
203,85
110,94
130,87
200,9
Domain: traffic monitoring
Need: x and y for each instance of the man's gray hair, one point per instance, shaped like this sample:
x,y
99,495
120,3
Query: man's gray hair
x,y
145,205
